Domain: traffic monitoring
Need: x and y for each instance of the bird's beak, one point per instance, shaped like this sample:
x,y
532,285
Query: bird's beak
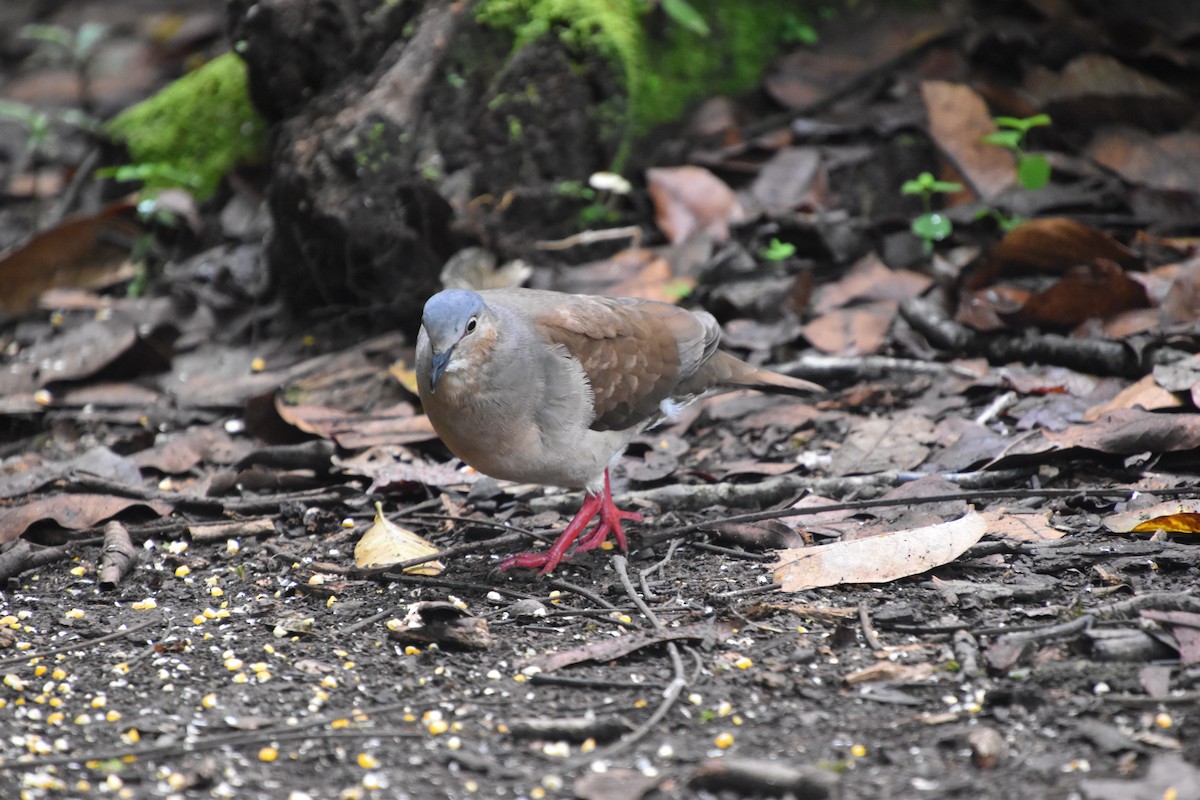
x,y
440,360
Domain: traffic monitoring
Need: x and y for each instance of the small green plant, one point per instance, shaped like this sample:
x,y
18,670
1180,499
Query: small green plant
x,y
40,124
1033,169
682,12
373,154
930,226
1004,222
600,194
777,251
75,48
797,29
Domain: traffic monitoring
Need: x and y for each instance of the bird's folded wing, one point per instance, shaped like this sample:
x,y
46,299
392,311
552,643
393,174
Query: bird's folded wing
x,y
635,354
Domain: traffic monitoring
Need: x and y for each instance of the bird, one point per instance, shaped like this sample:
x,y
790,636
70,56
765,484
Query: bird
x,y
546,387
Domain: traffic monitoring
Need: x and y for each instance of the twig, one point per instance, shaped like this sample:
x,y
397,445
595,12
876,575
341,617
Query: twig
x,y
20,556
559,583
631,232
25,658
868,630
1096,356
670,694
884,502
621,565
996,408
864,368
780,488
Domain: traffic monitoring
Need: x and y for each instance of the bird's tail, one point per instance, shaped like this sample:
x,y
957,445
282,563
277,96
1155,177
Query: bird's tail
x,y
724,369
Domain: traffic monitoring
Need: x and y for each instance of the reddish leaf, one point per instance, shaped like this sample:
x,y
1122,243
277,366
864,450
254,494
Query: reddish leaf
x,y
1055,244
852,331
1083,293
80,252
689,199
958,121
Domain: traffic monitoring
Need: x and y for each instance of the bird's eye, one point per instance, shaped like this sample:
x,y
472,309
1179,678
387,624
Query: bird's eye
x,y
471,323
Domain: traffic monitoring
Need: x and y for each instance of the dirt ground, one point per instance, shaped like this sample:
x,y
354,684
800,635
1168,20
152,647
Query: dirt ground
x,y
187,472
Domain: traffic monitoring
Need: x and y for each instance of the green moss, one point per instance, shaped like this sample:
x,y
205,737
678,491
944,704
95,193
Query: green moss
x,y
663,74
195,130
683,66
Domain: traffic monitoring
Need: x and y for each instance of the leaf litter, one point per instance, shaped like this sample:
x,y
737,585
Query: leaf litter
x,y
1057,603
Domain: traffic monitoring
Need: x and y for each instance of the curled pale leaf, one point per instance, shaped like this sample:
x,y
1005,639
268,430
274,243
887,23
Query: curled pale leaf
x,y
386,543
878,559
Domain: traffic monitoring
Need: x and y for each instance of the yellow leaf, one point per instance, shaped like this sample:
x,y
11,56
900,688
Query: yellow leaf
x,y
1172,523
386,543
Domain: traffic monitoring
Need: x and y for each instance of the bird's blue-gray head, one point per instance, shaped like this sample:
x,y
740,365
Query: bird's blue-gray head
x,y
449,318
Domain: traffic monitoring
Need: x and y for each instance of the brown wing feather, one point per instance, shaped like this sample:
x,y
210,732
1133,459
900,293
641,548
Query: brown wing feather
x,y
635,353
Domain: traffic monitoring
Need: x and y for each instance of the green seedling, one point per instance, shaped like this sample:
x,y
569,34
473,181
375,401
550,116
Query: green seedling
x,y
777,251
40,124
683,13
1003,222
931,226
1033,169
75,48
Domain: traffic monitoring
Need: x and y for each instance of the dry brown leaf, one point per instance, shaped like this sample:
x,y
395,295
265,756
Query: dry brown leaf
x,y
1146,394
1170,162
397,424
1094,89
71,511
1127,431
958,121
861,330
1016,526
883,443
386,543
1085,292
879,559
1055,244
80,252
690,199
870,279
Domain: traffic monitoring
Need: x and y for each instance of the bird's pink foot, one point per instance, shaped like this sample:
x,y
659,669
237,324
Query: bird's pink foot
x,y
594,505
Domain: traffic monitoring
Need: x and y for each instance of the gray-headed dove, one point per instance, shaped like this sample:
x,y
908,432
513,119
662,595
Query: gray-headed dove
x,y
543,387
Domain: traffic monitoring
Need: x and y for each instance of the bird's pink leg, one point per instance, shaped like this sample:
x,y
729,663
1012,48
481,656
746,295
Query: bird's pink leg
x,y
594,505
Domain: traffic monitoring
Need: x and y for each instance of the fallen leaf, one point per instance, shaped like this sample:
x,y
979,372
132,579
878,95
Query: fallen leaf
x,y
787,181
1168,775
80,252
397,424
959,119
856,331
690,199
71,511
1170,162
878,444
611,649
879,559
870,279
386,543
1084,292
1144,520
1017,526
1126,431
1055,244
1094,89
1146,394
